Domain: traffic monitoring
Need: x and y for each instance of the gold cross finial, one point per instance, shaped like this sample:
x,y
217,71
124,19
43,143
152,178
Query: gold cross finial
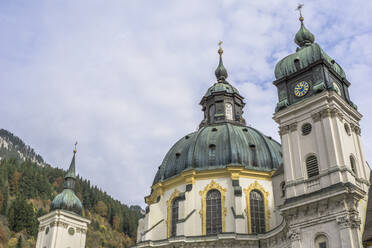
x,y
220,51
299,8
75,147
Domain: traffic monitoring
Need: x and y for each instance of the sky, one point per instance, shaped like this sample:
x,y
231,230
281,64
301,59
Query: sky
x,y
125,78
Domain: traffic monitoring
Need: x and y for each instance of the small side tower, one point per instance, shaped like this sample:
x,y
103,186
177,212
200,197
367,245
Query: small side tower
x,y
64,226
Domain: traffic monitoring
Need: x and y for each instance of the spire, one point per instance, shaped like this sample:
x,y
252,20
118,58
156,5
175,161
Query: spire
x,y
303,37
71,170
70,176
221,73
67,200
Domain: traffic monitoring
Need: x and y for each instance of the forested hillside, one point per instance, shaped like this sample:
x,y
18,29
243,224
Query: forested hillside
x,y
27,189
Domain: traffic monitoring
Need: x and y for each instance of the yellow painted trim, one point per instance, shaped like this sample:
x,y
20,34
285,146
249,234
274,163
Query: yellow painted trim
x,y
190,176
175,194
203,211
265,194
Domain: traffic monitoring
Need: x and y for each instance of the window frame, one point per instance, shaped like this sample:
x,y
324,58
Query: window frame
x,y
213,212
203,194
307,164
257,212
257,186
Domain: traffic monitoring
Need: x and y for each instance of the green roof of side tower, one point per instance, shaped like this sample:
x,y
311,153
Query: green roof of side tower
x,y
307,53
309,66
67,200
223,139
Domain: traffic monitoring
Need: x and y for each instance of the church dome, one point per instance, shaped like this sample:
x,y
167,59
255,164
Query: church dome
x,y
67,200
219,146
221,87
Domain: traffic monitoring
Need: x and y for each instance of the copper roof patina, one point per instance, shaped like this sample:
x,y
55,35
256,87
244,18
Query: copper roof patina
x,y
219,146
222,140
67,200
307,53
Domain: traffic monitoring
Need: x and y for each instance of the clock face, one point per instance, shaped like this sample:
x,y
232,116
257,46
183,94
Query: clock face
x,y
337,89
301,88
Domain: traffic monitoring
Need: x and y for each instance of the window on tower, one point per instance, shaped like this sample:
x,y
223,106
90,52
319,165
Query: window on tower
x,y
306,129
352,164
321,241
312,166
213,212
347,129
257,208
229,111
211,112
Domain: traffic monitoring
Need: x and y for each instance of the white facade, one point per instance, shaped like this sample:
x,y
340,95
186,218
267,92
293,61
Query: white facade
x,y
331,206
154,228
62,229
300,212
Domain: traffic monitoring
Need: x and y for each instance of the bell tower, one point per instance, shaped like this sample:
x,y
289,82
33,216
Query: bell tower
x,y
325,172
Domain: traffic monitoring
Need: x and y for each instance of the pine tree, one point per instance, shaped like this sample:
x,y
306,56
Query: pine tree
x,y
21,216
19,243
4,208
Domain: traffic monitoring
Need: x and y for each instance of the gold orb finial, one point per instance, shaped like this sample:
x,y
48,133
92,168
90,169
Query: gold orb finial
x,y
220,51
299,8
75,147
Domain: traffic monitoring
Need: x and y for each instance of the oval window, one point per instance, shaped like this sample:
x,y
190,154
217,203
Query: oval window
x,y
306,129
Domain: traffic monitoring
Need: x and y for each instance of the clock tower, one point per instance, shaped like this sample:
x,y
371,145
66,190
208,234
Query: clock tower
x,y
325,176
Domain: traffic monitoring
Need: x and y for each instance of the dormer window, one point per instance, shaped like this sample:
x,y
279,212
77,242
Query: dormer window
x,y
229,111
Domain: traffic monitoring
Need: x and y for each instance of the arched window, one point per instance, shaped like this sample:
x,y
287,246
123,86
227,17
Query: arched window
x,y
213,212
321,241
229,111
312,166
175,206
257,208
211,112
352,163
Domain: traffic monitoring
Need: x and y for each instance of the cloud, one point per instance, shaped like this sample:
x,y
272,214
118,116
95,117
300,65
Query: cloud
x,y
125,78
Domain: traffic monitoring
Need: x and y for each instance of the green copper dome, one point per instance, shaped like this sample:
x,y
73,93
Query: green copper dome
x,y
219,146
221,87
222,139
67,200
304,37
307,53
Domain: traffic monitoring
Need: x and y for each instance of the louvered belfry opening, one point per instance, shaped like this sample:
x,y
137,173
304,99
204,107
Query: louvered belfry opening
x,y
312,166
175,207
213,211
306,129
257,208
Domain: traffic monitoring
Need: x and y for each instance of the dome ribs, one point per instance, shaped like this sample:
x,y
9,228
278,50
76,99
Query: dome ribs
x,y
219,146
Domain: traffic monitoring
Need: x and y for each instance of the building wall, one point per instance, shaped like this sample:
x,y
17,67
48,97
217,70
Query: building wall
x,y
62,229
154,226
